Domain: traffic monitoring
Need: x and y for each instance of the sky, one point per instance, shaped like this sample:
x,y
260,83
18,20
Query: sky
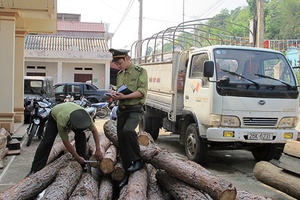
x,y
123,15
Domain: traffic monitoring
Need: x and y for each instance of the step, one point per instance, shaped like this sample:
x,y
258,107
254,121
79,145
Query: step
x,y
19,130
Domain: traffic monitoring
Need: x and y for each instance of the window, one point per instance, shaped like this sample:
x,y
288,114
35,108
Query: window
x,y
197,66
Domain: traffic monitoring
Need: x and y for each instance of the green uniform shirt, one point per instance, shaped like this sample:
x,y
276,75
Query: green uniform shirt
x,y
135,79
61,114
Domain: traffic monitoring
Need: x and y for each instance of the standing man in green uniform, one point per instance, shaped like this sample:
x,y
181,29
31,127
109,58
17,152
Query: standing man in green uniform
x,y
132,86
63,118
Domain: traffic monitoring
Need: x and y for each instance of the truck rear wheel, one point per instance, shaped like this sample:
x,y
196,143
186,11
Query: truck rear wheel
x,y
195,146
265,152
152,125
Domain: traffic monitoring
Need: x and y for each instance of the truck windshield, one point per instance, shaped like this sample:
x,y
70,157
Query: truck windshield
x,y
251,71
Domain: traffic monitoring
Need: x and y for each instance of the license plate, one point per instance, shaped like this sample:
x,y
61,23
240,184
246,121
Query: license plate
x,y
260,136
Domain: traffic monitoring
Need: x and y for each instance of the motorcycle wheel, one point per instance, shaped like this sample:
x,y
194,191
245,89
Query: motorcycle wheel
x,y
32,131
102,113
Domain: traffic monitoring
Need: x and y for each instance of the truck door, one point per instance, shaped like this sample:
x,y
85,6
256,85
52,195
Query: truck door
x,y
196,90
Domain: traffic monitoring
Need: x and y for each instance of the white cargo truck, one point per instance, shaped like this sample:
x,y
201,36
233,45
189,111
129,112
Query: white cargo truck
x,y
221,97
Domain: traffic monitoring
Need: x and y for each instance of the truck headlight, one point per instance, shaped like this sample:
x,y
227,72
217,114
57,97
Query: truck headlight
x,y
230,121
215,120
288,122
223,120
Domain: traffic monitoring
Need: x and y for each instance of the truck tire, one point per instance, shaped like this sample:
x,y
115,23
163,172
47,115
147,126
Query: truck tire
x,y
265,152
152,125
195,146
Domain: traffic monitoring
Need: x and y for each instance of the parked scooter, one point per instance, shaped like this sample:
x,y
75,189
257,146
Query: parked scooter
x,y
83,102
113,113
38,119
102,109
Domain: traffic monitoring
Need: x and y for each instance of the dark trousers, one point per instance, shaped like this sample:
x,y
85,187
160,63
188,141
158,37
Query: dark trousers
x,y
128,120
45,146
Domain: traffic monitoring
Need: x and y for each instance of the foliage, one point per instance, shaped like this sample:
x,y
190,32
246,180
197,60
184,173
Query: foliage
x,y
281,22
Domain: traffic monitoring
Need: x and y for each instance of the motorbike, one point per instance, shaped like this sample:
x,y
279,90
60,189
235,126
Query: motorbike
x,y
113,113
86,104
41,109
102,109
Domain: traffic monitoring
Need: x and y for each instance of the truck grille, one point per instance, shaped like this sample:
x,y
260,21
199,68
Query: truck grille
x,y
255,121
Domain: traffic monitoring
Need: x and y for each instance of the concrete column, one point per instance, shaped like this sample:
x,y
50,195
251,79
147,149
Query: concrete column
x,y
19,77
7,63
59,72
107,75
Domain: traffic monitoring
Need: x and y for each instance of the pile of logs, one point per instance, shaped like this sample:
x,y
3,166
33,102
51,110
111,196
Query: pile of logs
x,y
164,176
284,174
8,146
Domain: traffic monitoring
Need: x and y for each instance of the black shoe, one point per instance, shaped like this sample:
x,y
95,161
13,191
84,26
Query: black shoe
x,y
137,165
124,181
30,173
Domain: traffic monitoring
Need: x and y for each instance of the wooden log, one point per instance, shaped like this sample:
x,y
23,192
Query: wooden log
x,y
94,164
97,175
64,183
110,131
277,178
154,190
104,144
3,141
59,148
179,189
203,180
136,187
289,163
246,195
87,188
119,173
145,139
36,183
109,160
292,148
106,188
4,152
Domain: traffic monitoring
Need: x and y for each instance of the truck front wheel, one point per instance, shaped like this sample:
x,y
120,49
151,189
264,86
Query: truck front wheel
x,y
195,146
265,152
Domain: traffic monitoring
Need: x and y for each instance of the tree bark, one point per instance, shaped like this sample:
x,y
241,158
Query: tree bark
x,y
201,179
109,160
292,148
106,188
104,144
179,189
119,173
87,188
110,131
36,183
277,178
154,191
64,183
59,148
4,152
136,187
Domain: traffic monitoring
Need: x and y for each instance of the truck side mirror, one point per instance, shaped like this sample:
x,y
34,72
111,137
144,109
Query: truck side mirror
x,y
208,68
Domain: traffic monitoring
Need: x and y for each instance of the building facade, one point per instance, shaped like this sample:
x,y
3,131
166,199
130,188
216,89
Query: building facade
x,y
17,19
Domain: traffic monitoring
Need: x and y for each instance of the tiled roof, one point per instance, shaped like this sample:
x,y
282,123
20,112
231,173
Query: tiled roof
x,y
80,26
63,43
